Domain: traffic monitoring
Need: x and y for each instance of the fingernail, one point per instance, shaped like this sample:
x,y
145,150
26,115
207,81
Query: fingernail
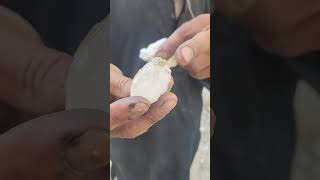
x,y
140,108
168,106
187,54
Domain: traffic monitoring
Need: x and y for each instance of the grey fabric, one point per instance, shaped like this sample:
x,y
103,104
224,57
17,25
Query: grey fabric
x,y
167,150
306,162
87,84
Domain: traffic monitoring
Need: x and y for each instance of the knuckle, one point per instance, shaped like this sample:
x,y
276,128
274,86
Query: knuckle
x,y
165,49
183,32
152,120
121,85
202,39
161,113
194,68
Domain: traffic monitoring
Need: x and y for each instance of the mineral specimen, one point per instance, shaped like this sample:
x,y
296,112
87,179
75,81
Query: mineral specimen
x,y
152,80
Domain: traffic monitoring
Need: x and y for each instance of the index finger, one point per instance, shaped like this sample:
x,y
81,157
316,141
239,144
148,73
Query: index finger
x,y
182,34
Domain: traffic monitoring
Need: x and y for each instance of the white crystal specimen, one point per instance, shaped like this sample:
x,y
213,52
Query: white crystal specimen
x,y
148,53
152,80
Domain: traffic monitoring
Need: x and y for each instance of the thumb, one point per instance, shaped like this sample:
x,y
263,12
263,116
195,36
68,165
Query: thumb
x,y
119,84
199,44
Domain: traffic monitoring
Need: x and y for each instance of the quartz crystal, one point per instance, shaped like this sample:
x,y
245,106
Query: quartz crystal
x,y
152,80
148,53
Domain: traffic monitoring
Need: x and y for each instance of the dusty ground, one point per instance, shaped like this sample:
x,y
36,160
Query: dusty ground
x,y
200,169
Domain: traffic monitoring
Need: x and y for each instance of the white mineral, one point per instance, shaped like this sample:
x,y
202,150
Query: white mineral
x,y
148,53
152,80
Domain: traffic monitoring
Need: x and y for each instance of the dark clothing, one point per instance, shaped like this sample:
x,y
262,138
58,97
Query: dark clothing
x,y
167,150
61,24
255,133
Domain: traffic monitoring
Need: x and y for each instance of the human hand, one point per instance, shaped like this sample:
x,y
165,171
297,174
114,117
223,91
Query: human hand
x,y
32,76
72,145
190,44
133,116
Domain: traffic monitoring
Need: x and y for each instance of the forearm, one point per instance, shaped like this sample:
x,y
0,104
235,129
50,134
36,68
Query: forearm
x,y
32,76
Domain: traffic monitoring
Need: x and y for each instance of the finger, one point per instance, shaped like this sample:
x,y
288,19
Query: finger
x,y
119,84
198,46
115,69
88,153
127,109
160,109
198,63
156,113
204,74
183,33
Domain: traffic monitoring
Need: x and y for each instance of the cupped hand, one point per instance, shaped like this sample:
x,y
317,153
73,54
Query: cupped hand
x,y
133,116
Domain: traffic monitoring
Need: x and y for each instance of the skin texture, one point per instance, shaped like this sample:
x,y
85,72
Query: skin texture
x,y
133,116
29,71
190,44
65,145
284,27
